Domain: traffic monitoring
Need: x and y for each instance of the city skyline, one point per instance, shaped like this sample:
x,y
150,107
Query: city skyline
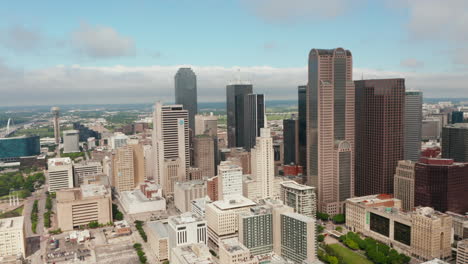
x,y
105,59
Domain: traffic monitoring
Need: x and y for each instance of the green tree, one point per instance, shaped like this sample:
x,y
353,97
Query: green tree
x,y
320,238
322,216
332,260
339,218
339,229
320,228
93,224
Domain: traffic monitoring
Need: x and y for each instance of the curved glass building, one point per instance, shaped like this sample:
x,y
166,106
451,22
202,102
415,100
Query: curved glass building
x,y
16,147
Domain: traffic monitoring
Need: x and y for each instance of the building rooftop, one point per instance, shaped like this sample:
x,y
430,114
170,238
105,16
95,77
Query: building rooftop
x,y
233,202
297,186
372,199
91,190
136,197
435,261
258,210
7,224
300,217
458,125
190,184
229,165
185,218
193,254
59,162
159,228
233,246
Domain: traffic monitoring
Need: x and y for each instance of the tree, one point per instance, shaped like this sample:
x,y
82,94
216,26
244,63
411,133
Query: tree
x,y
320,238
119,216
322,216
93,224
339,228
332,260
351,244
320,228
339,218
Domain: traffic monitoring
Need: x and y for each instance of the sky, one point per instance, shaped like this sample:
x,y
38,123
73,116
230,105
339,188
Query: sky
x,y
79,52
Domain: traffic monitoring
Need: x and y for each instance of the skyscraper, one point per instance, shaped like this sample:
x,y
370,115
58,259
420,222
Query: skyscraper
x,y
128,167
403,187
254,119
302,116
55,115
291,141
235,112
413,125
186,93
170,141
71,141
204,155
263,170
298,238
457,117
455,142
330,127
230,180
379,134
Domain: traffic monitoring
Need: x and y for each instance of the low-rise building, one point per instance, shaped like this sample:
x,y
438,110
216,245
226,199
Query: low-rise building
x,y
12,238
460,225
158,239
199,205
147,198
185,229
231,251
191,254
86,169
462,252
186,192
79,206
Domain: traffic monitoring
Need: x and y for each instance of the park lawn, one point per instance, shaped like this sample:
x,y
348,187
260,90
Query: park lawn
x,y
13,213
348,255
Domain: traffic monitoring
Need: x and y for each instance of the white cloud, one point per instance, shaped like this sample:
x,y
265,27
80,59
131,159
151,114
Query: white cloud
x,y
21,39
294,10
121,84
101,42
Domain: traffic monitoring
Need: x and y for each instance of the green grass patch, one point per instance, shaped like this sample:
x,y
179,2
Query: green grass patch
x,y
348,255
13,213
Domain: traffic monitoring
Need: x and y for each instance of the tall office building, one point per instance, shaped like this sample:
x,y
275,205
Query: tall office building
x,y
230,180
330,127
291,141
379,134
455,142
204,155
186,93
206,125
403,187
441,184
170,141
302,116
56,115
128,167
413,125
263,170
300,197
71,141
457,117
60,174
298,238
85,169
235,94
254,119
12,237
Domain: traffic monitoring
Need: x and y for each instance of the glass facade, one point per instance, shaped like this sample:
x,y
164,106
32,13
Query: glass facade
x,y
402,233
19,147
380,224
186,93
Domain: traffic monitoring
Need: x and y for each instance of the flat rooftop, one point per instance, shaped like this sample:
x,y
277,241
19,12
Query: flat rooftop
x,y
91,190
297,186
300,217
372,199
59,161
233,246
12,223
233,202
159,228
194,254
185,218
190,184
136,197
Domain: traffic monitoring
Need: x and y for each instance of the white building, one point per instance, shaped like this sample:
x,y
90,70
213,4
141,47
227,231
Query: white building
x,y
71,141
191,254
12,239
118,140
198,206
206,124
135,202
263,164
85,169
185,229
158,239
300,197
230,180
60,174
186,192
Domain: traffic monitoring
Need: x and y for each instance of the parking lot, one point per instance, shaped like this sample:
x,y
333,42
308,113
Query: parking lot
x,y
62,250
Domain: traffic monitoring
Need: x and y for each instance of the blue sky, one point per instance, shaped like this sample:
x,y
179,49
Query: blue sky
x,y
101,43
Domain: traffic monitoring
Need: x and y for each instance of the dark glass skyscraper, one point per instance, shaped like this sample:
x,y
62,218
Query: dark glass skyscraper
x,y
235,94
379,134
254,119
413,125
457,117
186,93
455,142
302,106
291,140
13,148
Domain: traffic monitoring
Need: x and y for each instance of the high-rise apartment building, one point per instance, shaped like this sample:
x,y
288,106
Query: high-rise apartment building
x,y
187,228
12,237
413,125
298,238
170,142
302,116
300,197
235,108
263,170
56,115
403,187
71,141
256,230
330,127
186,93
60,174
85,169
254,119
229,180
291,141
128,167
441,184
455,142
79,206
204,155
379,134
